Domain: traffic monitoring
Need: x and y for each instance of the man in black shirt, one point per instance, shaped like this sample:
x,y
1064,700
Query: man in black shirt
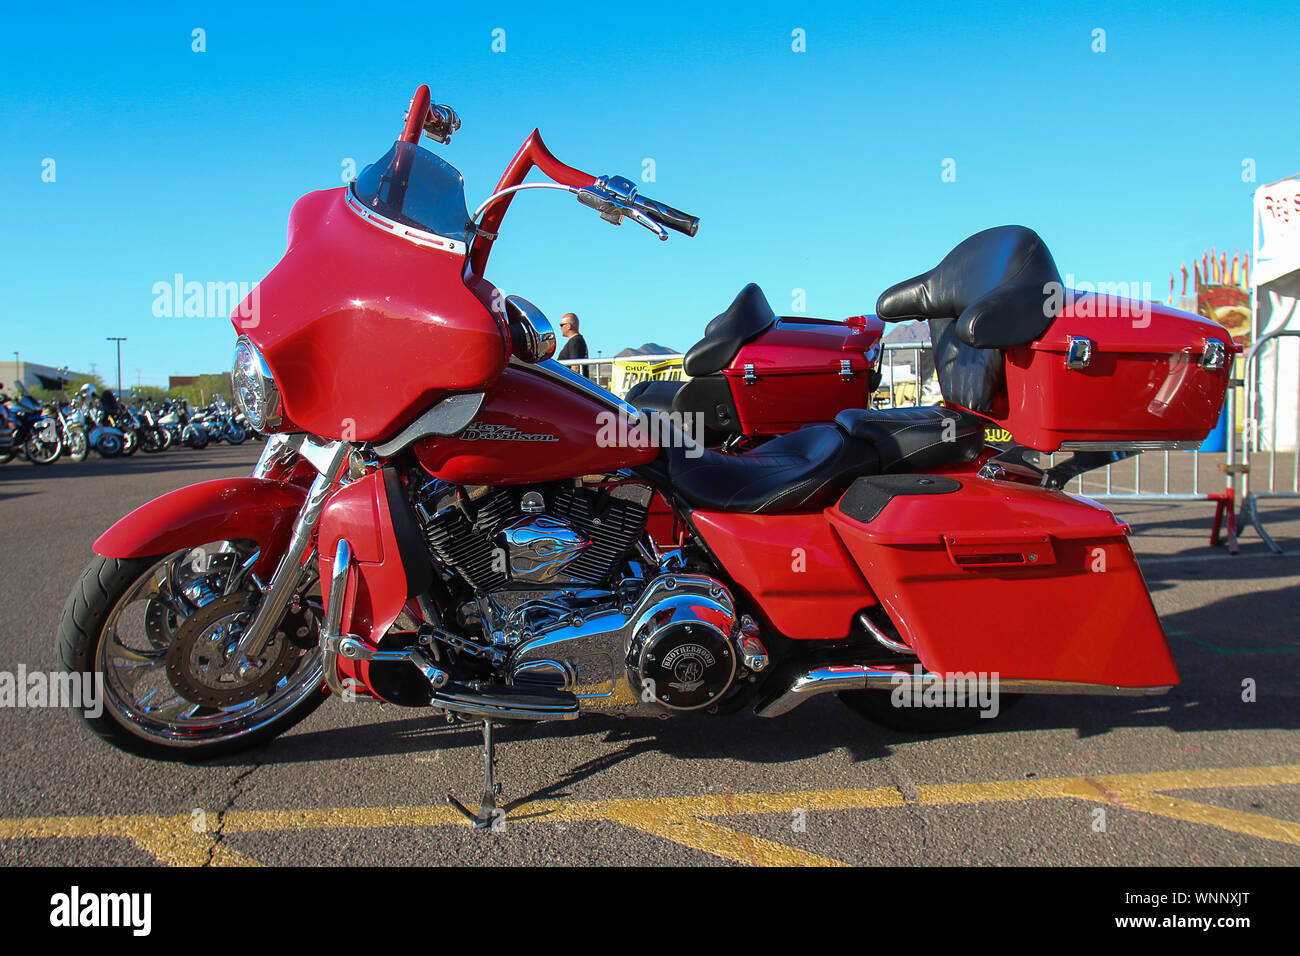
x,y
576,347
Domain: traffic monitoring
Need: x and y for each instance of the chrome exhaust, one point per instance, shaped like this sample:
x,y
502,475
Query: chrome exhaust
x,y
841,677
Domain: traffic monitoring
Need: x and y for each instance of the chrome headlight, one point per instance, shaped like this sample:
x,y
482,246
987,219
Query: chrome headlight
x,y
255,390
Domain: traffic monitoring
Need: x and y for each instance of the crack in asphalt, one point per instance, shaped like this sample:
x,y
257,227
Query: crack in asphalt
x,y
218,833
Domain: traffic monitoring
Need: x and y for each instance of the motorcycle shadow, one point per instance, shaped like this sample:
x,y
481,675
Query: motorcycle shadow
x,y
1214,655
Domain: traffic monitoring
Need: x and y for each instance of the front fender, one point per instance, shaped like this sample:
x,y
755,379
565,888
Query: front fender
x,y
219,510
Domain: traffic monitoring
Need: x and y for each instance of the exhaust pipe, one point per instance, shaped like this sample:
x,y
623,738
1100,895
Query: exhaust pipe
x,y
841,677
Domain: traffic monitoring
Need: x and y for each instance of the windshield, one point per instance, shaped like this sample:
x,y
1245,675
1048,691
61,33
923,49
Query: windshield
x,y
412,186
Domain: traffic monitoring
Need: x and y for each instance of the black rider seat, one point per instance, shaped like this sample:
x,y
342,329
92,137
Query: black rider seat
x,y
654,395
802,471
916,439
997,290
810,468
746,318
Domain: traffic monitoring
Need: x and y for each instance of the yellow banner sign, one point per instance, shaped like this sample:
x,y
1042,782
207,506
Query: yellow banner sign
x,y
629,372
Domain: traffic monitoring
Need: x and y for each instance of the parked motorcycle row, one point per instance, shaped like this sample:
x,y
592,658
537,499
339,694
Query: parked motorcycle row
x,y
97,420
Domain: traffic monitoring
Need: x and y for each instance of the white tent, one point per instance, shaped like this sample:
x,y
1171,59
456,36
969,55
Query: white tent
x,y
1275,304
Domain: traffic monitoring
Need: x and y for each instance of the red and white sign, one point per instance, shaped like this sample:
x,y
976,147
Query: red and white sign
x,y
1277,225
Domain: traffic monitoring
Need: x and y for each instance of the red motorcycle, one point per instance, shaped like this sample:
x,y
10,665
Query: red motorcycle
x,y
445,518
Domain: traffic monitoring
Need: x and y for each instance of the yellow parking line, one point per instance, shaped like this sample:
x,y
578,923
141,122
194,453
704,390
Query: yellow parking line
x,y
171,839
719,840
683,820
1251,824
340,818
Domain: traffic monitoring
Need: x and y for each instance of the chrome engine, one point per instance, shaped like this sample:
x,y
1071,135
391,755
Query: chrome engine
x,y
676,647
568,595
502,539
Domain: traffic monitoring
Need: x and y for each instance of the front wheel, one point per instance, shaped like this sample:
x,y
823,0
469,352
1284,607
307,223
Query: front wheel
x,y
160,634
43,445
78,446
109,445
152,440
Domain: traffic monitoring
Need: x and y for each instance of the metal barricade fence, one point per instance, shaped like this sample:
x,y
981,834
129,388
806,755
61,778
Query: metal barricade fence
x,y
1262,433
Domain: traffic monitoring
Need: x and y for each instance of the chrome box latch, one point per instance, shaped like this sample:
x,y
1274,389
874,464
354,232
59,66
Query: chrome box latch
x,y
1079,353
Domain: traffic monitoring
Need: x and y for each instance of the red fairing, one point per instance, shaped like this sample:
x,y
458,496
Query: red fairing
x,y
792,374
363,329
793,567
532,428
377,592
1144,381
1014,580
224,509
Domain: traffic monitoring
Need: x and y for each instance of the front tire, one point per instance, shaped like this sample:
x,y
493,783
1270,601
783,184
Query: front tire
x,y
155,720
40,451
152,440
78,446
109,446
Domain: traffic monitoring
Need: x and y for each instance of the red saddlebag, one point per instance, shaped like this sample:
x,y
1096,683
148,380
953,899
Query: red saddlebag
x,y
803,370
992,576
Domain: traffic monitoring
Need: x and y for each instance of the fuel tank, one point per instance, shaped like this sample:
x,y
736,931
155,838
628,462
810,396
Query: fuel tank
x,y
536,426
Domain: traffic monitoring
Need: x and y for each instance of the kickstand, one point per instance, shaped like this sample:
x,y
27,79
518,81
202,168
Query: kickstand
x,y
488,812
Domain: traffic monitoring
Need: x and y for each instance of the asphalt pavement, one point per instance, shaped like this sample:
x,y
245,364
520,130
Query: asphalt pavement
x,y
1208,774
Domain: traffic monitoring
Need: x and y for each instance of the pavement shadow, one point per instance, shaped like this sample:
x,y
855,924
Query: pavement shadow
x,y
1219,662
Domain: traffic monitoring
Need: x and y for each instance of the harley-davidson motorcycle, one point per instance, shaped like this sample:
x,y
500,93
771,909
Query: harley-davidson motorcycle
x,y
445,518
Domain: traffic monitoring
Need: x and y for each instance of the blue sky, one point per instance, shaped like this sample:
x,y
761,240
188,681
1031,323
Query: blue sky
x,y
817,170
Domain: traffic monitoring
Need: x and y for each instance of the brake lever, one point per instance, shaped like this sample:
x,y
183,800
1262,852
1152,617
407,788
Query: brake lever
x,y
637,216
613,209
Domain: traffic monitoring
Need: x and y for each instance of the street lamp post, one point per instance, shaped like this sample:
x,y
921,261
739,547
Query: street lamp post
x,y
119,339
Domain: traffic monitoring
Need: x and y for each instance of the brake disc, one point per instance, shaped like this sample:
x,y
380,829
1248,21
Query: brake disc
x,y
203,662
160,622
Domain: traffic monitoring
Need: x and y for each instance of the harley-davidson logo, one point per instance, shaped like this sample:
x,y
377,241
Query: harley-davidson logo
x,y
484,431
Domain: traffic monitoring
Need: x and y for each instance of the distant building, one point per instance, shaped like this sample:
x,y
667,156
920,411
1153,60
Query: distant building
x,y
189,381
32,375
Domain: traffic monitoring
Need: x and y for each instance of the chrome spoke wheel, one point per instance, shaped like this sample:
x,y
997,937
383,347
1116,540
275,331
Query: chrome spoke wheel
x,y
167,652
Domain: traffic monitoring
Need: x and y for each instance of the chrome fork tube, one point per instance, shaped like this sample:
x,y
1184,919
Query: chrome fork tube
x,y
288,573
331,629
